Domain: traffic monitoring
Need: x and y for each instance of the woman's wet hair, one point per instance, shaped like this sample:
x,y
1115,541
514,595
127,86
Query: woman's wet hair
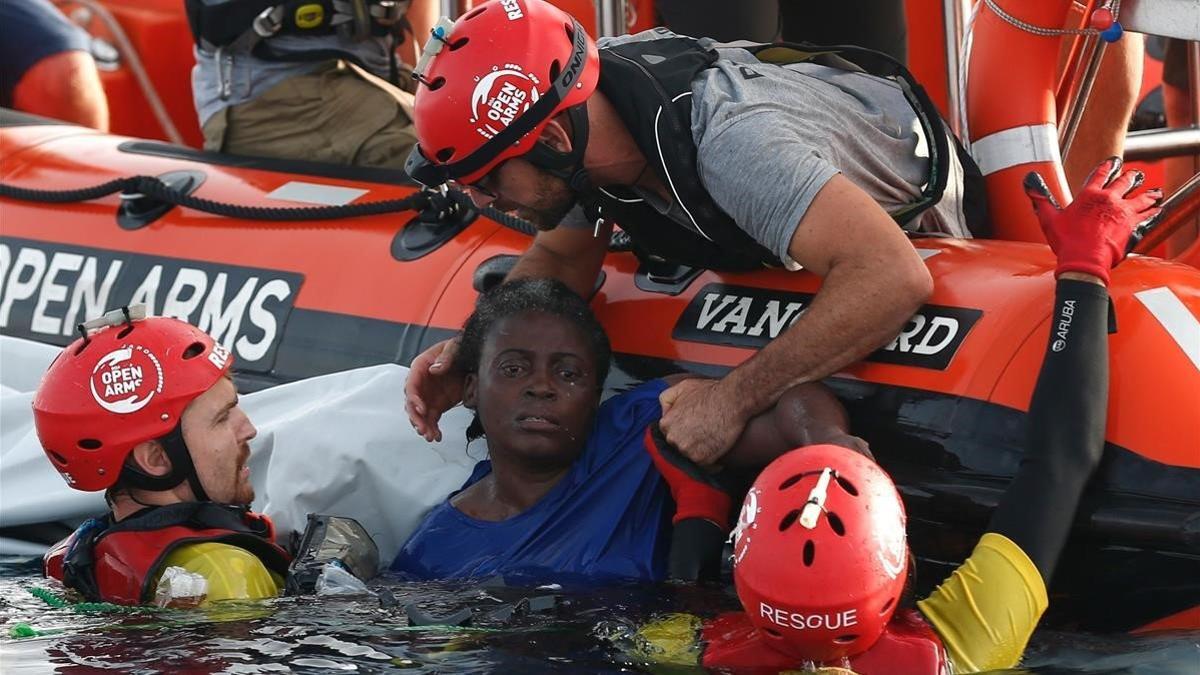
x,y
546,296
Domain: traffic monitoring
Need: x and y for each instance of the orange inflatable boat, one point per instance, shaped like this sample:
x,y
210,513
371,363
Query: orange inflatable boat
x,y
942,405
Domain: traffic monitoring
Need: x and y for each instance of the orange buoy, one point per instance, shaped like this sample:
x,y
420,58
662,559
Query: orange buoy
x,y
1011,111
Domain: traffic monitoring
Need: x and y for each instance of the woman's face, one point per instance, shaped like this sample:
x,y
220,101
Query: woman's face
x,y
536,391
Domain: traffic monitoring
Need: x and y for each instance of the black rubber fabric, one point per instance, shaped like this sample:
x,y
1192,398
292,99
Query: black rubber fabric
x,y
875,24
1066,421
724,21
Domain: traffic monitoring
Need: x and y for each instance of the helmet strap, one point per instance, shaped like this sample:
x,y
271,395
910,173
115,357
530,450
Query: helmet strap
x,y
566,165
182,468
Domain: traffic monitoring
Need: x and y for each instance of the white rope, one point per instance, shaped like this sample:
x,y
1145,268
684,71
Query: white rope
x,y
1046,32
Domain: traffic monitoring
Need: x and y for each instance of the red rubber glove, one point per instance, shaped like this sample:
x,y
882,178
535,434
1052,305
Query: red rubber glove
x,y
696,493
1092,233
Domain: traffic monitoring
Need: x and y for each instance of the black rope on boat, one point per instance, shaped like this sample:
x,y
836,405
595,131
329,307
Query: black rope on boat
x,y
508,220
67,196
153,188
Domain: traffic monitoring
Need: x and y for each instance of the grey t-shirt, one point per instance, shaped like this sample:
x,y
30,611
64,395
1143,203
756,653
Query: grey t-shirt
x,y
234,75
769,137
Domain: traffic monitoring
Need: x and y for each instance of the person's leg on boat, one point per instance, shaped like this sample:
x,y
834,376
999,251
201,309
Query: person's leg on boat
x,y
333,115
1179,105
1102,128
46,67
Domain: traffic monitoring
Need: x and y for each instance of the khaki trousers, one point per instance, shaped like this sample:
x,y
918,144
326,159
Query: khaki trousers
x,y
339,114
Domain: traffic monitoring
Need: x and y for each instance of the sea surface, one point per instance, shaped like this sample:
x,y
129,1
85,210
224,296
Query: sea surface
x,y
511,630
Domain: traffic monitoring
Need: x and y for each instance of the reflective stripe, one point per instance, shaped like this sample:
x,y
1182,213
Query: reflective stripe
x,y
1181,324
1019,145
670,181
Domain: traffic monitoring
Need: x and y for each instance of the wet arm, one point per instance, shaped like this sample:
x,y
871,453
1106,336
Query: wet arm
x,y
988,608
807,414
1066,427
572,255
873,281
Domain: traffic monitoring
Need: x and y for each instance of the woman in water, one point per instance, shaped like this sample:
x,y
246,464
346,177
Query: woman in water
x,y
570,488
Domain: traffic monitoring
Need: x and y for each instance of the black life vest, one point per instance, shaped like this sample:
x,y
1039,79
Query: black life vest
x,y
649,82
220,23
117,561
223,23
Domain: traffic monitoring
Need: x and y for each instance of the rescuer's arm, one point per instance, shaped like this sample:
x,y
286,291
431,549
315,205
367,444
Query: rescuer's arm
x,y
572,255
873,281
987,609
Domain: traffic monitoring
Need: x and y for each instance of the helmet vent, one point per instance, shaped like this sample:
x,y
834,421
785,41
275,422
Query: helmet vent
x,y
436,83
789,519
193,350
810,552
475,12
887,605
555,69
846,485
772,632
58,459
125,331
459,43
839,528
845,639
444,154
88,444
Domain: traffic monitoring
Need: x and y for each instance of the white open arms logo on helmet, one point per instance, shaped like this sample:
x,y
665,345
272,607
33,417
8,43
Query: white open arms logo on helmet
x,y
500,96
126,379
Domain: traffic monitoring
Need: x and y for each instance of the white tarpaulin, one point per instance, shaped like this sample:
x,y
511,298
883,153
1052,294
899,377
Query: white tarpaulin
x,y
338,444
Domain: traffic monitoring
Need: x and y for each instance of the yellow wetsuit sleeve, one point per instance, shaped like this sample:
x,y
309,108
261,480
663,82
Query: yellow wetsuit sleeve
x,y
987,609
232,573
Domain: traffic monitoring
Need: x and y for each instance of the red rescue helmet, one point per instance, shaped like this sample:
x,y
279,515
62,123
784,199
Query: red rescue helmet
x,y
820,553
126,383
490,83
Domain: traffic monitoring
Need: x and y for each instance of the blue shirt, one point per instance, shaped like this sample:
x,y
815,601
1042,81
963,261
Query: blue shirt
x,y
31,30
607,519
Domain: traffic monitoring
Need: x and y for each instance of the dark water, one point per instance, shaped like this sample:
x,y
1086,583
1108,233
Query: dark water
x,y
583,632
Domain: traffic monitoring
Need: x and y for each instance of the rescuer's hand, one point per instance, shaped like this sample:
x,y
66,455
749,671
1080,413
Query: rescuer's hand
x,y
1091,234
432,388
700,419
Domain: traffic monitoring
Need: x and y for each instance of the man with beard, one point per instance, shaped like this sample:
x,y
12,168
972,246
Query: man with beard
x,y
714,156
146,409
